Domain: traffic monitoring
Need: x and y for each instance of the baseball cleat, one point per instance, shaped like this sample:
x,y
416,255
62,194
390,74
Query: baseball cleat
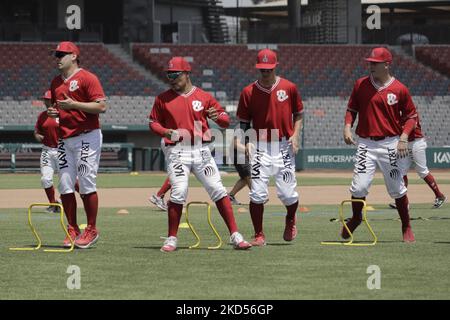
x,y
159,202
352,225
74,234
234,200
392,205
170,244
238,242
408,235
438,202
259,240
88,238
290,230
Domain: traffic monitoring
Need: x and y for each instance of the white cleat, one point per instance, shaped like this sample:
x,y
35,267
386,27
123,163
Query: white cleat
x,y
238,242
159,202
170,244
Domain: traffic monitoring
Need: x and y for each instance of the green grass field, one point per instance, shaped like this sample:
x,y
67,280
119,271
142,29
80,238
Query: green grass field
x,y
147,180
127,263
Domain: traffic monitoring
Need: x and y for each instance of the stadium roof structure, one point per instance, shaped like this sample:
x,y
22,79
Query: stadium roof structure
x,y
255,8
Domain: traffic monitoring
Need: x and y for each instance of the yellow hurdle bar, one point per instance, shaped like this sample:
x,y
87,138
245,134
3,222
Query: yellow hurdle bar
x,y
197,244
342,220
36,235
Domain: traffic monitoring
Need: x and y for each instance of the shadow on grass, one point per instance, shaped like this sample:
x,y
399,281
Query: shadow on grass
x,y
179,248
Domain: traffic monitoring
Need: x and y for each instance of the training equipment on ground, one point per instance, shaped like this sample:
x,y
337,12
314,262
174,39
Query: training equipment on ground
x,y
208,207
364,219
36,235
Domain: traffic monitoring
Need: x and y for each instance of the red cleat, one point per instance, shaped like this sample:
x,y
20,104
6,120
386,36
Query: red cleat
x,y
352,225
74,232
88,238
259,240
408,235
290,230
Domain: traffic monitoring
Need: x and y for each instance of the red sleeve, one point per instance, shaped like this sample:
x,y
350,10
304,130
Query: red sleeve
x,y
350,117
243,113
156,118
37,127
407,107
223,120
353,105
297,104
94,90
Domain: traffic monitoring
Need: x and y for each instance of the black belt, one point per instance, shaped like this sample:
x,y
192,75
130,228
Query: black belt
x,y
377,138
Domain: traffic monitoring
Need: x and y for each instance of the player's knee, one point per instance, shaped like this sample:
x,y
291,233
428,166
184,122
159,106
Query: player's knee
x,y
288,199
359,191
46,182
423,173
259,198
217,194
178,194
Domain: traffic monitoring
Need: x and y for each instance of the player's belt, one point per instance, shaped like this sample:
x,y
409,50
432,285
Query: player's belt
x,y
377,138
82,132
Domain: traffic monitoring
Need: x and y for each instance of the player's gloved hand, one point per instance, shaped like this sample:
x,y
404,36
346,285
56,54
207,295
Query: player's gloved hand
x,y
212,114
402,149
52,112
348,136
294,141
67,103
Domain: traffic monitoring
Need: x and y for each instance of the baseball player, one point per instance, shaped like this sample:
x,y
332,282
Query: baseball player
x,y
78,99
242,166
46,132
273,107
180,116
417,147
382,104
158,199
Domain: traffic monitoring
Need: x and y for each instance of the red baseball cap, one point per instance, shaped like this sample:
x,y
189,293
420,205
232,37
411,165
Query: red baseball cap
x,y
267,59
47,95
380,55
67,46
178,64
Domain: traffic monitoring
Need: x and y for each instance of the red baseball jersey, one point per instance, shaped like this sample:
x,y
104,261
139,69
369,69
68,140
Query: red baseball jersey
x,y
49,128
270,108
81,86
179,111
381,110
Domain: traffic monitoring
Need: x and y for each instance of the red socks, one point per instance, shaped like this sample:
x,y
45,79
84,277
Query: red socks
x,y
226,211
291,210
165,187
50,192
256,213
429,179
70,208
90,202
405,178
357,208
174,211
403,210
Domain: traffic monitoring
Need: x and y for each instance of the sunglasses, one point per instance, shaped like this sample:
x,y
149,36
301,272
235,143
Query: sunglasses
x,y
60,54
266,70
174,75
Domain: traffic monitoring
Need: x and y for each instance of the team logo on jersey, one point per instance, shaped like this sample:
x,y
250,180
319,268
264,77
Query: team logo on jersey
x,y
197,105
73,85
83,170
395,174
391,99
209,171
288,177
282,95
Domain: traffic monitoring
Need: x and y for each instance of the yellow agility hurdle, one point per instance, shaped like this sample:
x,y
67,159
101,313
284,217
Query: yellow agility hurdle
x,y
197,244
342,220
36,235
